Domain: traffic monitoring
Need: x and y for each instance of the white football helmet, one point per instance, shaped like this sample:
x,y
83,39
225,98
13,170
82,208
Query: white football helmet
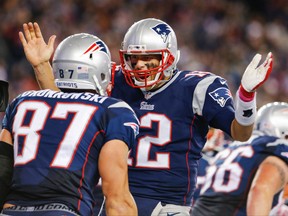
x,y
272,119
148,37
82,61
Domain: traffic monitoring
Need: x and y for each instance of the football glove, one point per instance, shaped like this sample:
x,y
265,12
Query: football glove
x,y
254,75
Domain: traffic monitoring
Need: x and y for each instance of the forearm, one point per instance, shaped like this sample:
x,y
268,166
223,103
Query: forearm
x,y
113,162
259,196
263,187
123,205
44,76
240,132
119,200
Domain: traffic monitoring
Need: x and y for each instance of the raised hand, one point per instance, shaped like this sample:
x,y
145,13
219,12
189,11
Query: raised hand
x,y
35,48
254,75
245,107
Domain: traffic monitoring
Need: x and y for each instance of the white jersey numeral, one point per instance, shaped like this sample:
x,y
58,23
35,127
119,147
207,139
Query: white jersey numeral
x,y
215,175
40,114
145,143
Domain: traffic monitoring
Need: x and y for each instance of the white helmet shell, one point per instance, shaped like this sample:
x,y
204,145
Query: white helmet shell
x,y
272,119
146,37
82,61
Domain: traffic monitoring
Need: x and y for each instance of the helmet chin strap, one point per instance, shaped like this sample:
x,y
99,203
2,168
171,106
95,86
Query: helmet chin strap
x,y
164,80
140,83
99,89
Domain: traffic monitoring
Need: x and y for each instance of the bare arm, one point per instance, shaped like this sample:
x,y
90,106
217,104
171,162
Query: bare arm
x,y
240,132
38,53
6,136
271,177
113,170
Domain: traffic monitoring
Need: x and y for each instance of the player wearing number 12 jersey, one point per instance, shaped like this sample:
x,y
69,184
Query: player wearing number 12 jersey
x,y
175,109
65,141
247,177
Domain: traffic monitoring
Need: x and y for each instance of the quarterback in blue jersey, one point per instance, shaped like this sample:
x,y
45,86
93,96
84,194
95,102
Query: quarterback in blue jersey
x,y
65,141
175,109
246,178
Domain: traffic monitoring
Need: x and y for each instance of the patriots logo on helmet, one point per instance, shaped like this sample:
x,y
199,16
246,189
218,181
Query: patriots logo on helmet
x,y
163,30
221,95
98,45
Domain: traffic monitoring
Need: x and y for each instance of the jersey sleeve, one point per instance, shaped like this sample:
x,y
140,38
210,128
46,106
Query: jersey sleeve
x,y
214,102
7,120
123,123
278,148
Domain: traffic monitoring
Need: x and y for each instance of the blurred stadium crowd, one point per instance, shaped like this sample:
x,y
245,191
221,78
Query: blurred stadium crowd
x,y
220,36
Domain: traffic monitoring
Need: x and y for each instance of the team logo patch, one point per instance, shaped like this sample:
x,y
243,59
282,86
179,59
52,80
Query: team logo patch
x,y
98,45
247,113
134,126
221,95
163,30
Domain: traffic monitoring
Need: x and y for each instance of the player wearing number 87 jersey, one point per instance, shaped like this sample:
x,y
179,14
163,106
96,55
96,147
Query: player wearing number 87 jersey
x,y
65,141
247,177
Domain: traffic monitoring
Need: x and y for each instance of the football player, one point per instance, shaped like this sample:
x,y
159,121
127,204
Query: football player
x,y
63,142
247,178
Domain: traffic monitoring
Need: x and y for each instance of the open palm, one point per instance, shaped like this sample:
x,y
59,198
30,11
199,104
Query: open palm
x,y
35,48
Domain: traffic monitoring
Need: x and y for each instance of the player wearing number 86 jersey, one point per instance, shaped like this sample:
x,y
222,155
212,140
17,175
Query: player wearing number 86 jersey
x,y
246,178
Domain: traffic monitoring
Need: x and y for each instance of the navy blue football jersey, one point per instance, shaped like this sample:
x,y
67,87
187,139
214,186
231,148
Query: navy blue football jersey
x,y
231,172
203,164
174,121
57,140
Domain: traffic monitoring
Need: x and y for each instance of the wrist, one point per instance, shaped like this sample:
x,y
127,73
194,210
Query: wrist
x,y
43,68
245,95
41,65
245,111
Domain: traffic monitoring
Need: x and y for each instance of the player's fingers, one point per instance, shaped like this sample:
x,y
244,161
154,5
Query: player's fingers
x,y
255,61
51,41
269,68
31,30
26,32
268,58
22,39
37,30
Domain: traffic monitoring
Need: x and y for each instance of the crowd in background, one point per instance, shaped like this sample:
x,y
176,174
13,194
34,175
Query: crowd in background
x,y
220,36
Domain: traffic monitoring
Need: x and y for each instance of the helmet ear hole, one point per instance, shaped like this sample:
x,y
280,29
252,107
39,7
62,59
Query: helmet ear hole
x,y
103,76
